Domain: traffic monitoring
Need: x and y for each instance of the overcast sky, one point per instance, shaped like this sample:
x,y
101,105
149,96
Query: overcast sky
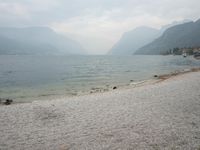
x,y
96,24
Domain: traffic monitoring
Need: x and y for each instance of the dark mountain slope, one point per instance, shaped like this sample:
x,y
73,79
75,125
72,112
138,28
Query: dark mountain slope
x,y
184,35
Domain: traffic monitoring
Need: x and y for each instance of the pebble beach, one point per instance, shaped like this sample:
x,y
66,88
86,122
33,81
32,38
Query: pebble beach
x,y
161,115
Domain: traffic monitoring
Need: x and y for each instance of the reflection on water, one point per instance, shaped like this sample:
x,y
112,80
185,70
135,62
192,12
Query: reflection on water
x,y
27,77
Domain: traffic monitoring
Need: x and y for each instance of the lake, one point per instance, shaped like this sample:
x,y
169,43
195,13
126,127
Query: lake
x,y
26,78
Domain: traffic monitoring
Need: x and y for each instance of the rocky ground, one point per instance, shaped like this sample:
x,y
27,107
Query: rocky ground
x,y
163,115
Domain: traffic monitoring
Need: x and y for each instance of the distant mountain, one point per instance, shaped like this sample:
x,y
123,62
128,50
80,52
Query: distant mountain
x,y
133,40
36,40
165,27
183,35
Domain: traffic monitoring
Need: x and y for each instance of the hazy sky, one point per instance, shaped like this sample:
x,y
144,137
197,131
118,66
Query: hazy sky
x,y
96,24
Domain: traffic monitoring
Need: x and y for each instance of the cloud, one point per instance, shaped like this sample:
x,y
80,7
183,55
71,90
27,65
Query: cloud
x,y
103,31
105,20
13,9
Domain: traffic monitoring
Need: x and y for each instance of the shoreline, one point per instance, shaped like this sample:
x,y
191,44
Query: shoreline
x,y
97,90
164,115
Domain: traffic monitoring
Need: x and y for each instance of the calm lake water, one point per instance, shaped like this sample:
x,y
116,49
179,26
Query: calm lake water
x,y
26,78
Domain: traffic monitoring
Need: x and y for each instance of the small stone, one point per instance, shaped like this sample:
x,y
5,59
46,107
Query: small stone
x,y
155,76
8,101
114,87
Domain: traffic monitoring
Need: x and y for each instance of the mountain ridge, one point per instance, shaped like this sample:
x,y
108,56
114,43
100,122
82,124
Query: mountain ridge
x,y
183,35
133,40
138,39
36,40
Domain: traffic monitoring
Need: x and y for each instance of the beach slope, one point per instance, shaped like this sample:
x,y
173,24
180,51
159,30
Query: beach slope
x,y
163,115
